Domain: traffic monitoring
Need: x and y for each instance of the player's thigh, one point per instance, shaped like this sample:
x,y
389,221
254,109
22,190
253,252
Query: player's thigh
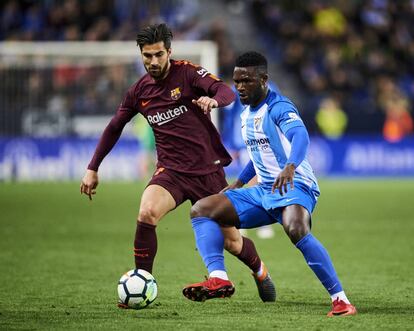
x,y
156,201
296,218
277,204
199,187
247,203
217,207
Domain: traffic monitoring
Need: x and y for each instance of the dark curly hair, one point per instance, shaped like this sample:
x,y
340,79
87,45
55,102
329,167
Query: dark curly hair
x,y
251,59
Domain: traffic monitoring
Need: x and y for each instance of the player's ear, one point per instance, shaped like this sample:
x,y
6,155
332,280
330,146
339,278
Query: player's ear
x,y
263,79
169,51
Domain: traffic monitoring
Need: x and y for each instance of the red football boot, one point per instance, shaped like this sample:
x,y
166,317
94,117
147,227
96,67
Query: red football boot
x,y
340,308
213,287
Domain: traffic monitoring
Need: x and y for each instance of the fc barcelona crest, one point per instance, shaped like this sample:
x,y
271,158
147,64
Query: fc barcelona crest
x,y
176,93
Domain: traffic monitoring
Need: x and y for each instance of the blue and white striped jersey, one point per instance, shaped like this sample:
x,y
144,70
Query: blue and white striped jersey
x,y
263,130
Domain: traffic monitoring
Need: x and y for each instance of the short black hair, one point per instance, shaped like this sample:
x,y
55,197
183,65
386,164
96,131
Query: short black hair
x,y
153,34
251,59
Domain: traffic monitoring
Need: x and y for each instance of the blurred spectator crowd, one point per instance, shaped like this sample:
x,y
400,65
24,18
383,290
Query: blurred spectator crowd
x,y
92,20
354,60
77,87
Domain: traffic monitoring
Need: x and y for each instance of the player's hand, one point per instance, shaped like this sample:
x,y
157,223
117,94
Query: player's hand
x,y
284,178
206,104
232,186
89,183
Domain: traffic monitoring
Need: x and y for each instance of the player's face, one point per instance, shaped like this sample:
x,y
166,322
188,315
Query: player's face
x,y
250,84
156,59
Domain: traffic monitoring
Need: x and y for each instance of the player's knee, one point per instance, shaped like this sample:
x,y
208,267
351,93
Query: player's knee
x,y
233,246
200,209
296,230
148,215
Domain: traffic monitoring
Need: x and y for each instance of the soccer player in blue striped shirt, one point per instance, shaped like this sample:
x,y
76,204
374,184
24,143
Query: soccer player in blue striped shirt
x,y
287,190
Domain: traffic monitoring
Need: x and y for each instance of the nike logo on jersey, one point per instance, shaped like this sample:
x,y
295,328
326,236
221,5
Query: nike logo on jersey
x,y
144,103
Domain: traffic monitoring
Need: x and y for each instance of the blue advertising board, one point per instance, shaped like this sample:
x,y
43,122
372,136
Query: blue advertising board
x,y
362,156
30,159
355,156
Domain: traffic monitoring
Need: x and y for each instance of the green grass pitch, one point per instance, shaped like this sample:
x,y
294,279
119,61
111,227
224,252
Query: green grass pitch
x,y
62,255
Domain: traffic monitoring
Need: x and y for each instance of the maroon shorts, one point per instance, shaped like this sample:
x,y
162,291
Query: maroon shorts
x,y
184,187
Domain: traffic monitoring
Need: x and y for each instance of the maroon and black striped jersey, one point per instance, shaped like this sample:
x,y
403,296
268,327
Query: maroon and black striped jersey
x,y
186,139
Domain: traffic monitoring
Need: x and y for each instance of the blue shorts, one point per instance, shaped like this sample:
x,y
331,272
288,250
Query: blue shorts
x,y
258,206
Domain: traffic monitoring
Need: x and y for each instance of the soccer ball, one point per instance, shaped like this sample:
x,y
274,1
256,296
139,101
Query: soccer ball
x,y
137,289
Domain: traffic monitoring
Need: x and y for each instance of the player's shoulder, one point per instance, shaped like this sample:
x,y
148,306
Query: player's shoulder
x,y
278,102
184,64
192,70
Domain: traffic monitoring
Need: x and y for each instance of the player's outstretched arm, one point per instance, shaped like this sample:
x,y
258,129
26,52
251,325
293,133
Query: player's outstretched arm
x,y
206,103
89,183
216,92
218,95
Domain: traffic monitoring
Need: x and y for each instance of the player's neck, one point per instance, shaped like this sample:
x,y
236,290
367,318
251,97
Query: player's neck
x,y
261,99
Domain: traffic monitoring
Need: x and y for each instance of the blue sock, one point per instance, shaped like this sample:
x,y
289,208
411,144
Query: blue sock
x,y
319,261
210,242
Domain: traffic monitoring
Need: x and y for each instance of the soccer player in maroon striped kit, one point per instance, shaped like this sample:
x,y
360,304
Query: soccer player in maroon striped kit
x,y
176,98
